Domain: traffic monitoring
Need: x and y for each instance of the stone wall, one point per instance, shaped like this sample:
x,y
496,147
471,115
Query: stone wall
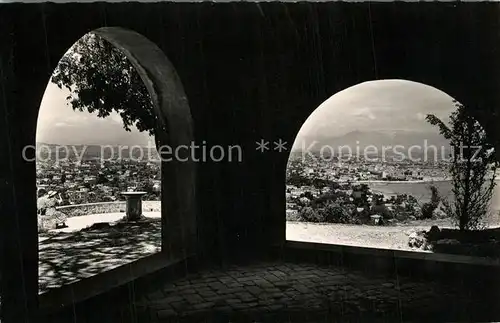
x,y
106,207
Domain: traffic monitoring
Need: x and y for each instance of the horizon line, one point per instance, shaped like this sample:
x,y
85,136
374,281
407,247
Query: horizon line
x,y
54,144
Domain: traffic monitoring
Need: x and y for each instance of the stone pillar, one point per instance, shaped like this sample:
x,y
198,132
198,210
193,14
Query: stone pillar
x,y
134,205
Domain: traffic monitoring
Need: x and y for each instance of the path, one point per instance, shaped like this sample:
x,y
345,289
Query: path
x,y
384,237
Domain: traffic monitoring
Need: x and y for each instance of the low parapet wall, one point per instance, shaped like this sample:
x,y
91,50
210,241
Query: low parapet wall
x,y
105,207
423,265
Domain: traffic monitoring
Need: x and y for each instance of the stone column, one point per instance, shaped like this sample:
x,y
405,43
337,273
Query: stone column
x,y
134,205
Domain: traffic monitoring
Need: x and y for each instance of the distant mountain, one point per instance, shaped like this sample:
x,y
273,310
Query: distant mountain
x,y
359,140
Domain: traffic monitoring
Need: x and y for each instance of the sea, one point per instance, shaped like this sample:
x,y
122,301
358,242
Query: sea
x,y
421,191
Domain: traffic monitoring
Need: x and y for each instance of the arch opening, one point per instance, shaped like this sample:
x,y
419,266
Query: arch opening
x,y
374,166
107,196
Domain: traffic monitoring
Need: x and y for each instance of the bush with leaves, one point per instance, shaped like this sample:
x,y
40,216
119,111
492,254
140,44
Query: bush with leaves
x,y
430,207
293,216
405,207
329,212
361,200
473,167
309,214
323,199
334,212
378,207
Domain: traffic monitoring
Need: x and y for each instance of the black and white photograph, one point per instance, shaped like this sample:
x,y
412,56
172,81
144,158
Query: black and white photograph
x,y
98,175
230,161
401,156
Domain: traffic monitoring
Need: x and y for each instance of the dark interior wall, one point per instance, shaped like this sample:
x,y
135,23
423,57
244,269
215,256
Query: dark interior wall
x,y
250,71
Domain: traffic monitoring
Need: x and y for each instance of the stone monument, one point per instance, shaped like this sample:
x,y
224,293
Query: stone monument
x,y
134,205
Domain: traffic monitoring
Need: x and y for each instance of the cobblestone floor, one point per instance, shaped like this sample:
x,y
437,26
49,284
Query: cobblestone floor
x,y
285,292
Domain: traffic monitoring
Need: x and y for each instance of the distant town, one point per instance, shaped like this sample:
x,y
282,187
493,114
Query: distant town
x,y
346,181
92,180
370,168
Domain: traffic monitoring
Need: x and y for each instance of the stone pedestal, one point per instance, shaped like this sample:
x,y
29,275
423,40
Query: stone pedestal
x,y
134,205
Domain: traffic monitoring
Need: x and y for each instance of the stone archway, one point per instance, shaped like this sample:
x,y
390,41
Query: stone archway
x,y
178,233
172,108
368,116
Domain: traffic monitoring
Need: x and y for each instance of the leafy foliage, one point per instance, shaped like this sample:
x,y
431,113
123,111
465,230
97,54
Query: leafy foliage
x,y
45,202
330,212
361,197
339,206
408,207
429,208
101,80
472,168
378,207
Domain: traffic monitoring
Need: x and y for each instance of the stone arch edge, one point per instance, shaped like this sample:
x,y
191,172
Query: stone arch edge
x,y
179,235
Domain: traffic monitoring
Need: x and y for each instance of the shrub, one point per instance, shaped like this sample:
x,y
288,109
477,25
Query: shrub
x,y
429,208
382,210
378,207
293,216
405,207
378,199
325,198
309,214
330,212
472,170
334,212
427,211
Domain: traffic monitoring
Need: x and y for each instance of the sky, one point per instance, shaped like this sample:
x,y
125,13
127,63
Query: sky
x,y
377,105
59,124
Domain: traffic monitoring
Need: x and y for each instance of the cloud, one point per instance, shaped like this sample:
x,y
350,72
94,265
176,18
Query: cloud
x,y
365,113
383,104
77,117
75,120
420,116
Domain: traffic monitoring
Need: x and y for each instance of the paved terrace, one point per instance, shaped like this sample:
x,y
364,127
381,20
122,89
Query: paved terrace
x,y
69,255
292,292
263,292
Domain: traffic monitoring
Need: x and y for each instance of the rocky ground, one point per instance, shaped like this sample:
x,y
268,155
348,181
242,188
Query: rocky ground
x,y
385,237
407,236
480,243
